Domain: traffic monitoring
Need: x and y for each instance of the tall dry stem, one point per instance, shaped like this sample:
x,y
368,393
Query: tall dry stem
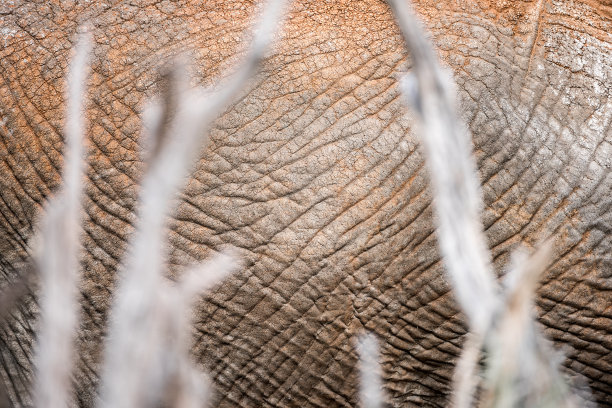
x,y
59,257
522,369
519,368
371,393
137,373
452,169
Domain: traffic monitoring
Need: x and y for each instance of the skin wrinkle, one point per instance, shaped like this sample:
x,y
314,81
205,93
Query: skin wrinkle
x,y
241,373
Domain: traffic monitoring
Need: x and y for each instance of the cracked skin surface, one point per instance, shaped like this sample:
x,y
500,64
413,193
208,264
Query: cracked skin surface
x,y
316,176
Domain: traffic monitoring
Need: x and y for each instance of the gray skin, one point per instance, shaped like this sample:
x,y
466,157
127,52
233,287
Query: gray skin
x,y
316,176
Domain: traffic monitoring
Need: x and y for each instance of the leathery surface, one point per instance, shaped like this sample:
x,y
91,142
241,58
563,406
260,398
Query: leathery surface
x,y
315,175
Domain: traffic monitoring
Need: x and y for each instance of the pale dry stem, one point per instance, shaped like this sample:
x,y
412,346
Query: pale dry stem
x,y
453,173
371,393
187,386
523,370
520,372
466,375
59,257
140,370
429,91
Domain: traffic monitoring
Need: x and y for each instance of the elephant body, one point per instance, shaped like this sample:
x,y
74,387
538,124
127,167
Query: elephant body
x,y
316,177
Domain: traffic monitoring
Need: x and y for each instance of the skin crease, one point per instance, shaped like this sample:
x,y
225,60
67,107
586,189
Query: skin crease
x,y
317,179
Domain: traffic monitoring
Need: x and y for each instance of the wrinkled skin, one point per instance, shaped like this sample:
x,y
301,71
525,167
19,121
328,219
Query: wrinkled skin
x,y
316,176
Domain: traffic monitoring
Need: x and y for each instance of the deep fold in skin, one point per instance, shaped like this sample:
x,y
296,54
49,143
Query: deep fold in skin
x,y
317,178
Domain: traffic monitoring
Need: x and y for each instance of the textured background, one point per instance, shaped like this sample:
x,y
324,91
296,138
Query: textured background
x,y
318,180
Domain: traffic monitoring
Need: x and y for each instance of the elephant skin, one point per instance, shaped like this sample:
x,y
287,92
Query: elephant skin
x,y
316,176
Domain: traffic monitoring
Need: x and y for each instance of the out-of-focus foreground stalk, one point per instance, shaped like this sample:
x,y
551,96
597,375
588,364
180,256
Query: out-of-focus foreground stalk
x,y
58,261
519,369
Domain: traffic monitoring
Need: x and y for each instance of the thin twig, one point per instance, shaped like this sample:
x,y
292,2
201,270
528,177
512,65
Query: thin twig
x,y
59,259
185,381
523,370
466,375
134,373
370,386
520,372
457,200
453,172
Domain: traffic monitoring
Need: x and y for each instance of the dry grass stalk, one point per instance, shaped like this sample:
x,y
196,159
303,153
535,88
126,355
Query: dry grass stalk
x,y
371,393
186,387
146,358
59,258
453,172
520,371
430,92
466,375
